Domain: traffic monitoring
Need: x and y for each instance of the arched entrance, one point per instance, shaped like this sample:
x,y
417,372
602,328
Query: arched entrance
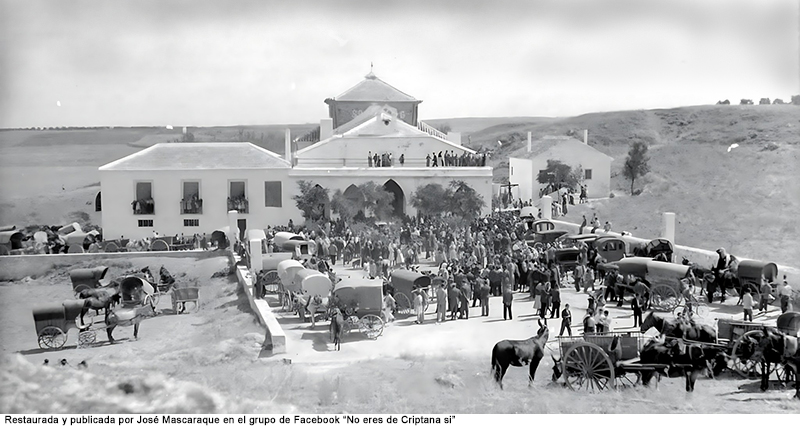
x,y
98,206
356,197
399,203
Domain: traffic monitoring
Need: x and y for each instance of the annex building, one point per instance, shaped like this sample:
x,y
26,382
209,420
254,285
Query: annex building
x,y
188,188
595,164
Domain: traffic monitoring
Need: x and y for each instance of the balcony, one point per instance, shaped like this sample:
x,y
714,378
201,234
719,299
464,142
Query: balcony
x,y
239,204
143,207
192,206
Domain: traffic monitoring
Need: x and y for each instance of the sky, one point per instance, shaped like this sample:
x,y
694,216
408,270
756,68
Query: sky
x,y
212,63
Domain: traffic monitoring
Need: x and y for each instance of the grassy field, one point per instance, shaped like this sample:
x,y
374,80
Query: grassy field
x,y
744,200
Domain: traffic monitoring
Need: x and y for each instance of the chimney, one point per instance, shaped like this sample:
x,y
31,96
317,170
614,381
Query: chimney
x,y
287,154
454,137
586,136
325,129
529,142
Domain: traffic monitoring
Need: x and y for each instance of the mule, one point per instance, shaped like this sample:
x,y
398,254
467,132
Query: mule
x,y
337,328
98,299
127,317
518,353
775,345
679,329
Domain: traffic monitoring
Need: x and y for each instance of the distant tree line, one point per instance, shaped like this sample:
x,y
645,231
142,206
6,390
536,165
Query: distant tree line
x,y
763,101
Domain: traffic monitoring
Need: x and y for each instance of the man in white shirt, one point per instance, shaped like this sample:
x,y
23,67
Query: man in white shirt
x,y
747,305
786,296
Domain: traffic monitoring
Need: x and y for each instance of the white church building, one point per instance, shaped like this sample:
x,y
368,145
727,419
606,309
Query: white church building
x,y
188,188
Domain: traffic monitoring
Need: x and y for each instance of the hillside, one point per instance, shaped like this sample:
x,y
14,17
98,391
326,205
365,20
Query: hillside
x,y
744,200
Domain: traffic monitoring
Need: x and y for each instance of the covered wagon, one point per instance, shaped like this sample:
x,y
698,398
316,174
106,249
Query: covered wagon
x,y
404,282
361,301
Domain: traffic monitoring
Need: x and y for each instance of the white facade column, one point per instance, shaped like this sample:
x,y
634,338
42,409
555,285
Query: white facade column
x,y
256,260
547,207
669,226
233,233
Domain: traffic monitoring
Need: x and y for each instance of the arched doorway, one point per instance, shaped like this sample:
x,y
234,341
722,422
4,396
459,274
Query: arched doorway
x,y
98,206
399,203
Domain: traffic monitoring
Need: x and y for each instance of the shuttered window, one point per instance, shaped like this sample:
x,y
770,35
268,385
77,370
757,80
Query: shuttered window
x,y
272,194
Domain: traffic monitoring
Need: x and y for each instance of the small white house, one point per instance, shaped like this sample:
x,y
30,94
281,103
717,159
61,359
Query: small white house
x,y
596,166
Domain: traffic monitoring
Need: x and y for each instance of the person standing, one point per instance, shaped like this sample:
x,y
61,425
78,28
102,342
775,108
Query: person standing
x,y
786,295
508,298
452,300
402,159
566,320
369,159
419,307
428,161
766,294
747,305
583,224
636,306
589,324
484,297
545,300
555,302
441,304
389,305
464,300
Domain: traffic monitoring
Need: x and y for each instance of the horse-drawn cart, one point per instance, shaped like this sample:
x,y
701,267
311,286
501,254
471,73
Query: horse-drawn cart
x,y
87,278
663,279
361,301
53,322
750,272
404,283
268,280
590,363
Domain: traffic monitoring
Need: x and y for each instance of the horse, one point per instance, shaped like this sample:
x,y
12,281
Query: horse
x,y
679,329
127,317
98,299
519,353
337,327
775,345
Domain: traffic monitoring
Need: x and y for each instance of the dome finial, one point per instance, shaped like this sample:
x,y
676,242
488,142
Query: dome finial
x,y
371,75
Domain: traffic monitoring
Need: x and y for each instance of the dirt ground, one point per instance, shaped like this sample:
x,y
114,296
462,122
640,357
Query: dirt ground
x,y
210,361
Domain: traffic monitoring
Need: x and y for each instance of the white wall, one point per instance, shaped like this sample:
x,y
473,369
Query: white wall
x,y
118,189
520,171
597,187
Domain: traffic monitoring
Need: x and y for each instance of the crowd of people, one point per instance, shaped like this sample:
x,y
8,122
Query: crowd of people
x,y
488,258
450,158
384,160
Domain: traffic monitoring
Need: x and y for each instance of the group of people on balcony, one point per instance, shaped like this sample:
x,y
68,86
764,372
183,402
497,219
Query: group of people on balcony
x,y
143,206
238,203
452,159
384,160
192,205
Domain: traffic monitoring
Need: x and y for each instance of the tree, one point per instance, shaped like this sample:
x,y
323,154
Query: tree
x,y
444,128
558,172
464,201
796,99
343,206
376,200
312,200
636,163
429,198
746,102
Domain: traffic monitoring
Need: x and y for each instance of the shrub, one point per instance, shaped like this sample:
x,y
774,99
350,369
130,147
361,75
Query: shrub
x,y
725,102
764,101
746,102
778,101
611,196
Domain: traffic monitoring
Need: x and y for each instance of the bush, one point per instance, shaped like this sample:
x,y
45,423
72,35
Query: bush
x,y
764,101
770,147
778,101
611,196
796,99
746,102
725,102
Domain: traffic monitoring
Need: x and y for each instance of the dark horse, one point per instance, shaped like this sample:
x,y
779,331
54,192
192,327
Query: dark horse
x,y
98,299
337,327
773,346
519,353
688,330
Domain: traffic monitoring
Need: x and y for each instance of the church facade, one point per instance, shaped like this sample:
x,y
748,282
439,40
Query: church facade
x,y
373,134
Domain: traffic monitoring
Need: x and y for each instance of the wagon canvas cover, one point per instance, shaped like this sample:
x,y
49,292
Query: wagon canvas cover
x,y
366,294
404,281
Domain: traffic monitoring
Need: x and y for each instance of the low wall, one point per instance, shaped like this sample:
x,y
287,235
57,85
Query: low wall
x,y
275,337
698,256
16,267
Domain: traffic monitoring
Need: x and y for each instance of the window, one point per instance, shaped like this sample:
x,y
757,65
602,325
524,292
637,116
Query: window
x,y
191,222
145,223
272,194
143,203
587,174
237,197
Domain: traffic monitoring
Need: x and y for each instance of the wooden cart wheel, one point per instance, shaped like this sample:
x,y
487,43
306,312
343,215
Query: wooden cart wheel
x,y
699,309
743,363
86,338
587,367
52,337
350,323
371,326
403,304
664,298
271,282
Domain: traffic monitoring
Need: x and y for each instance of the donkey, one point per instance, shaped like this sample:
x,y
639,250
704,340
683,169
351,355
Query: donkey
x,y
519,353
